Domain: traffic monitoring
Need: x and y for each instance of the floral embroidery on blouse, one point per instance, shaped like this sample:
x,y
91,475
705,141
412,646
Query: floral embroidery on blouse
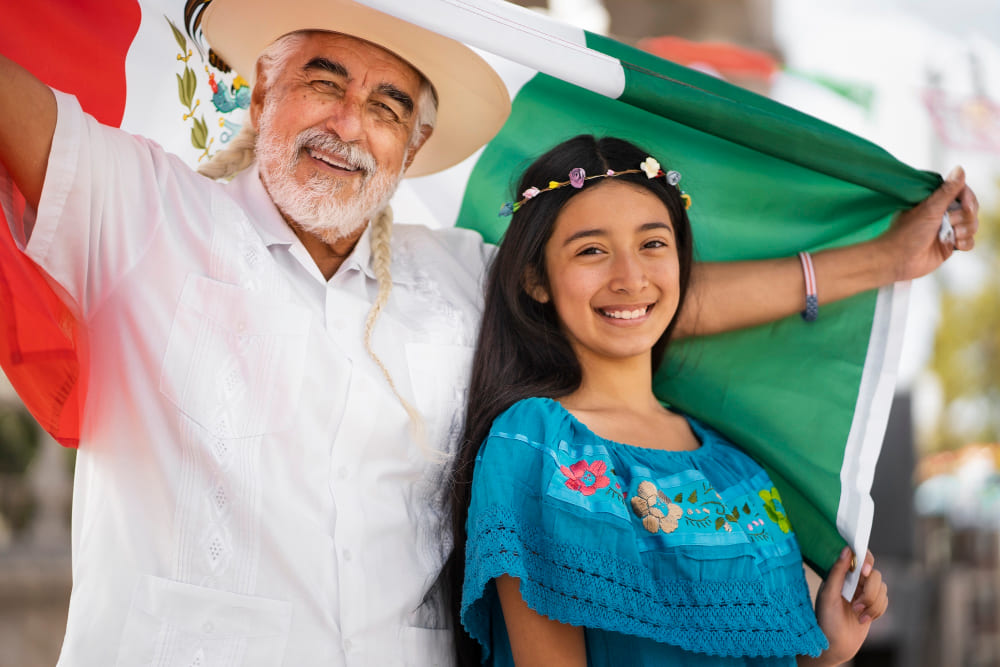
x,y
708,505
586,477
774,508
648,504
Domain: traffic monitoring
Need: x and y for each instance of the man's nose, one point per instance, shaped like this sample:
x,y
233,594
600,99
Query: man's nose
x,y
346,119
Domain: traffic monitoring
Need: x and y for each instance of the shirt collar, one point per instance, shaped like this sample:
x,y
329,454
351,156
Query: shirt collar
x,y
274,230
267,219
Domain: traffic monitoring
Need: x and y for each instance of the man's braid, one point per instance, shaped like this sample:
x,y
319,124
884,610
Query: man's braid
x,y
238,154
381,235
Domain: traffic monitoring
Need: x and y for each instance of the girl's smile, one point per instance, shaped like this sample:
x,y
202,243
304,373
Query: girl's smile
x,y
627,313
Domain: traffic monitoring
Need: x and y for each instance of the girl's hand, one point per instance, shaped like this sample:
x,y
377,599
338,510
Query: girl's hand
x,y
844,623
911,242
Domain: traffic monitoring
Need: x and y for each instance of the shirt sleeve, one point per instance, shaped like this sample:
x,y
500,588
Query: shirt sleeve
x,y
100,205
534,518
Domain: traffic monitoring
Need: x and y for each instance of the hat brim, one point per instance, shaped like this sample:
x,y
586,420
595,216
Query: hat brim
x,y
473,102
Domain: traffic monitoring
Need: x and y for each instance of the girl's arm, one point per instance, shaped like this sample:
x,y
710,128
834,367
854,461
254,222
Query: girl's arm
x,y
537,639
844,623
732,295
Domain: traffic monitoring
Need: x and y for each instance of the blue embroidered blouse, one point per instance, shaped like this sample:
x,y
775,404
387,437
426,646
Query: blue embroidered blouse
x,y
665,557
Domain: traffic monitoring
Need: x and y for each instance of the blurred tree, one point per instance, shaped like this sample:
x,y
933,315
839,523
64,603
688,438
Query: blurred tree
x,y
966,356
20,437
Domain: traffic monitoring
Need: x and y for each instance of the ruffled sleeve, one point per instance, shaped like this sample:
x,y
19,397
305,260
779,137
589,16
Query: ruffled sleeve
x,y
588,532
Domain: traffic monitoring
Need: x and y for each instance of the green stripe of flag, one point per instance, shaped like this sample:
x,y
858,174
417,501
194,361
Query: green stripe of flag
x,y
766,181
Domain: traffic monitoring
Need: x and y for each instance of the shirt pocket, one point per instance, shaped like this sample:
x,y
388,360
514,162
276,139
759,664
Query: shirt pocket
x,y
421,647
172,623
235,359
439,375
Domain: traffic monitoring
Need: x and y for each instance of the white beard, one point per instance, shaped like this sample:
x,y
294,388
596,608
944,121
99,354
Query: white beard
x,y
318,206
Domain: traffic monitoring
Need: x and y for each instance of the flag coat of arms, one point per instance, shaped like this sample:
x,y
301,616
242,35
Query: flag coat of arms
x,y
809,401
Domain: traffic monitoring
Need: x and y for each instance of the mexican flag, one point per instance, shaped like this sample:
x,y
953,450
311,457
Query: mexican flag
x,y
809,401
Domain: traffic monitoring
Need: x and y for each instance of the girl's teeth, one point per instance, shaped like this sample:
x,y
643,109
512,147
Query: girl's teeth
x,y
626,314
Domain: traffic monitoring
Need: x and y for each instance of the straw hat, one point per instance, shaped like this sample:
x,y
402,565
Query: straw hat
x,y
472,99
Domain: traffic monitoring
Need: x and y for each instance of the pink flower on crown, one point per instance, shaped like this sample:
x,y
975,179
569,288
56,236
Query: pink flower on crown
x,y
586,477
576,177
530,192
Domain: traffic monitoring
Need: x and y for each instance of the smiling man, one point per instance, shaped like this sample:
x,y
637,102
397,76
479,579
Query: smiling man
x,y
266,430
335,132
250,490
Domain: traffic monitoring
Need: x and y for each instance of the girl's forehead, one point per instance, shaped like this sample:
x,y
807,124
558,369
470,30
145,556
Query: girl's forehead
x,y
613,205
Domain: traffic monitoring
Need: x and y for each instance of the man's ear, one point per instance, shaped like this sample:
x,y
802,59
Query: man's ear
x,y
257,97
534,287
411,151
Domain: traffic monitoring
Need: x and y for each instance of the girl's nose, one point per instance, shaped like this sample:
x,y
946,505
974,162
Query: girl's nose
x,y
629,275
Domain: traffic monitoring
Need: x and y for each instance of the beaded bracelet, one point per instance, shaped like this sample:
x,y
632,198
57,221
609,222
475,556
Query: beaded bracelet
x,y
812,303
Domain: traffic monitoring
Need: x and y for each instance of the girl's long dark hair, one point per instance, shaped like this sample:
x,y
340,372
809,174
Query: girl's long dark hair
x,y
522,351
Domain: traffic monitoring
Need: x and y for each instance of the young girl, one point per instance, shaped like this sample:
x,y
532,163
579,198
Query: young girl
x,y
603,528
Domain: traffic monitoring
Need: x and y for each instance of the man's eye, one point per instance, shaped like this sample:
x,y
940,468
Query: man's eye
x,y
387,110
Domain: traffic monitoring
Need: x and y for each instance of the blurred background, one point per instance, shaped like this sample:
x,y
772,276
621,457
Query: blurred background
x,y
919,78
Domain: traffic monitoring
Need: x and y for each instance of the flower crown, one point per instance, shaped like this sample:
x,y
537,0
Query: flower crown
x,y
577,177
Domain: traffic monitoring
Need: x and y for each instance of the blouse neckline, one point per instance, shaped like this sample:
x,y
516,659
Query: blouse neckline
x,y
704,438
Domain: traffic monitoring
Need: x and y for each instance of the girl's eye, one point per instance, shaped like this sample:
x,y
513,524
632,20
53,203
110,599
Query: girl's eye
x,y
590,251
656,243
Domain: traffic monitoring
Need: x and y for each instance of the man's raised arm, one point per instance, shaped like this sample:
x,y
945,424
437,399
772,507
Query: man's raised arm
x,y
733,295
27,122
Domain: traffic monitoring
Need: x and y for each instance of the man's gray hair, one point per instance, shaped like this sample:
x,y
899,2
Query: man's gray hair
x,y
240,153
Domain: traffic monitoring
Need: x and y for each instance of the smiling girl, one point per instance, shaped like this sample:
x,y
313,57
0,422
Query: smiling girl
x,y
602,527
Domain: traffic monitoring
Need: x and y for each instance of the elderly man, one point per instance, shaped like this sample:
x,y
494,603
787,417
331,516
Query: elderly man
x,y
257,468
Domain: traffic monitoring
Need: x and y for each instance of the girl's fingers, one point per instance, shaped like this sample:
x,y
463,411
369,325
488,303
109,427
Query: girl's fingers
x,y
872,598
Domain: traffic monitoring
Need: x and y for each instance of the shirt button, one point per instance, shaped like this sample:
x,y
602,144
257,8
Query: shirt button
x,y
208,628
348,645
342,472
347,555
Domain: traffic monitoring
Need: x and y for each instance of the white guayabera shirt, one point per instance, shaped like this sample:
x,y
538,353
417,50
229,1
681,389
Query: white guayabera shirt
x,y
247,490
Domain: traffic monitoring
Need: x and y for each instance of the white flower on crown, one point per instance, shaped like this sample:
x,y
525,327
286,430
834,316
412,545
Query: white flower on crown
x,y
650,167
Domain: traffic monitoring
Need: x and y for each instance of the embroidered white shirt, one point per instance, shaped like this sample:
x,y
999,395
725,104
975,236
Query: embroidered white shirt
x,y
247,490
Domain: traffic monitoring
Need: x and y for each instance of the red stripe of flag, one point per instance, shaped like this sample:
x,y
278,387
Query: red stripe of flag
x,y
79,48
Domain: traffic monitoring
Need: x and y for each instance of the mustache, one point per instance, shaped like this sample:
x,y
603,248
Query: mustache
x,y
355,156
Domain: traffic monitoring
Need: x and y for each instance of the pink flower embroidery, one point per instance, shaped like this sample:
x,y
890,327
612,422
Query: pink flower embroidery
x,y
586,477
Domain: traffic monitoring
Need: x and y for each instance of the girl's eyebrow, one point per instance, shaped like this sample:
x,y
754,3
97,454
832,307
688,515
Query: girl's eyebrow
x,y
646,227
649,226
583,233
